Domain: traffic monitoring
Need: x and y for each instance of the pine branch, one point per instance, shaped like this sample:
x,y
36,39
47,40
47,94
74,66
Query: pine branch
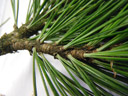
x,y
78,29
12,42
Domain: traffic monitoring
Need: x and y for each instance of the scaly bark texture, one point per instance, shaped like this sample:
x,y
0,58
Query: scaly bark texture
x,y
17,40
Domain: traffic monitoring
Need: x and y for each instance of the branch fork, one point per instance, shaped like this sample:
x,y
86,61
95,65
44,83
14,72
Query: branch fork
x,y
17,40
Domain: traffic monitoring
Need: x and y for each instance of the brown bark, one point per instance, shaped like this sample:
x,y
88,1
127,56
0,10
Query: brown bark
x,y
17,40
24,44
